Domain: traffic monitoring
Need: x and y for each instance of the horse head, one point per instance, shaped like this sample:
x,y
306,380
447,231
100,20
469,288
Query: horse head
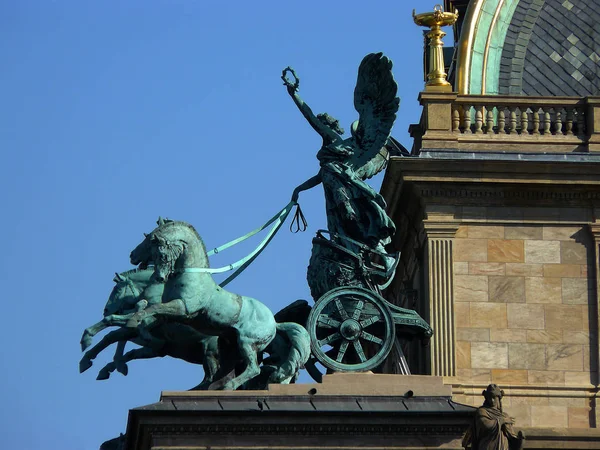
x,y
173,245
124,295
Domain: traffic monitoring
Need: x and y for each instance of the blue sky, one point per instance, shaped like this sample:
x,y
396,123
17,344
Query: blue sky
x,y
115,112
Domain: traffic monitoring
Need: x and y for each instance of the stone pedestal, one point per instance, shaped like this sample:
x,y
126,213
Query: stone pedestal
x,y
345,411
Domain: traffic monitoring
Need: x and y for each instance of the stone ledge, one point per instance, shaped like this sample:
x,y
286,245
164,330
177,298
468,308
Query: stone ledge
x,y
340,384
561,438
528,390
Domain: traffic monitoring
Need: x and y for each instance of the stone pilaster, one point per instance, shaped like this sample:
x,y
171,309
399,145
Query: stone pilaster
x,y
595,229
441,295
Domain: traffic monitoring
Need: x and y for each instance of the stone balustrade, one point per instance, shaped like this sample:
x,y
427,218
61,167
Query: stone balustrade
x,y
493,116
496,123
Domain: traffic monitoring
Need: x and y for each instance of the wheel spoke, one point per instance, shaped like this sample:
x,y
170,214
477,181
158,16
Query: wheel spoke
x,y
359,351
328,322
370,321
370,337
342,351
358,311
329,339
341,309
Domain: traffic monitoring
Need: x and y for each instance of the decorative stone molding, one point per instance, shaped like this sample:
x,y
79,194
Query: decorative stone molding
x,y
546,194
308,429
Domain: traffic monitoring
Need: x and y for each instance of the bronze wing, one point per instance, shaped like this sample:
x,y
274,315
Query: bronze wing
x,y
380,161
376,101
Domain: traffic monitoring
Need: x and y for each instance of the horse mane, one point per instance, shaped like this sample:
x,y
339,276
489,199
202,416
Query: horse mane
x,y
172,223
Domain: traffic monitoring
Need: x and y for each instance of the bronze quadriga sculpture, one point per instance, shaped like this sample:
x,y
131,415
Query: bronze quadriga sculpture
x,y
171,305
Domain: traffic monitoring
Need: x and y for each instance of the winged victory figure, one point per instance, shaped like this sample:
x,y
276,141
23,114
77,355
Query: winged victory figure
x,y
354,209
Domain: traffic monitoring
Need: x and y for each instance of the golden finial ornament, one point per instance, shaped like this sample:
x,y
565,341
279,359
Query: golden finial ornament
x,y
435,20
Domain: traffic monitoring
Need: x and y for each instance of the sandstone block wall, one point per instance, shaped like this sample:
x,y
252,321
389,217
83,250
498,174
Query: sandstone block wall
x,y
524,307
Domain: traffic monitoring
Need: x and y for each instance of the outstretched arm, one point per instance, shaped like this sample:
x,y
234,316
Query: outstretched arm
x,y
308,184
306,111
314,122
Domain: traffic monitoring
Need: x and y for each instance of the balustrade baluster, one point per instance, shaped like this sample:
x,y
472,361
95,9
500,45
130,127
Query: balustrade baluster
x,y
513,120
536,121
467,120
547,120
478,119
489,127
569,122
455,120
501,120
558,122
524,120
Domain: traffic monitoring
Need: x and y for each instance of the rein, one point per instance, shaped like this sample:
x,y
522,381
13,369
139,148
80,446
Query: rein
x,y
277,220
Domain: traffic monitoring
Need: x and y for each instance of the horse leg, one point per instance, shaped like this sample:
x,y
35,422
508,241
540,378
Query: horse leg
x,y
137,353
146,317
90,332
118,358
117,320
248,356
210,362
122,334
107,321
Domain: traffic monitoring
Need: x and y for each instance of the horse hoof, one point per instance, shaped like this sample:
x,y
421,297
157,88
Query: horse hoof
x,y
84,364
122,368
103,375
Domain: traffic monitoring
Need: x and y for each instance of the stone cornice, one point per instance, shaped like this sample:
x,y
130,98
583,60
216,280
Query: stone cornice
x,y
508,194
402,170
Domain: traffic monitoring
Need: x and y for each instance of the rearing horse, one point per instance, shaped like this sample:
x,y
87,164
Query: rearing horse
x,y
191,296
133,289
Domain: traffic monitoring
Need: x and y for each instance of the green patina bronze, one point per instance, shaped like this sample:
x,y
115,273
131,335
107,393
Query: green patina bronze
x,y
354,209
352,328
177,309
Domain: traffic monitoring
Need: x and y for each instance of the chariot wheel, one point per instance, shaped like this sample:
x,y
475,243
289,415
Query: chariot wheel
x,y
351,329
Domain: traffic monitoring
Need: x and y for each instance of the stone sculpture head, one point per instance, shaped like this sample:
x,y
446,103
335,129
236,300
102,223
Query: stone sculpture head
x,y
493,396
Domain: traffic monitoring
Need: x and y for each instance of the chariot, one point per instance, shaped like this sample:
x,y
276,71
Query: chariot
x,y
351,326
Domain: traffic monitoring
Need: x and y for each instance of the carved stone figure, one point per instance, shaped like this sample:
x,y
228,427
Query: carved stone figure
x,y
492,429
195,319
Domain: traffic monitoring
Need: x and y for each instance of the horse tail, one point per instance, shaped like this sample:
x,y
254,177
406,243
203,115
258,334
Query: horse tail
x,y
295,355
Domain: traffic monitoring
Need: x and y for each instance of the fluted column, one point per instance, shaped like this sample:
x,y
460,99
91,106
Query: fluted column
x,y
595,229
441,296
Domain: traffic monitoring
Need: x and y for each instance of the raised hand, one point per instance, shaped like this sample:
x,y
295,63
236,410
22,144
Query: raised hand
x,y
291,85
